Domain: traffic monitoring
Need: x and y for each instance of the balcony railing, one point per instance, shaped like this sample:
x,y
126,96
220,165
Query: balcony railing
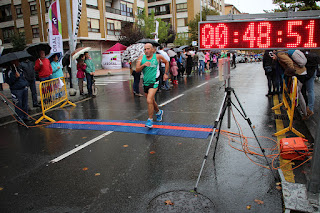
x,y
112,10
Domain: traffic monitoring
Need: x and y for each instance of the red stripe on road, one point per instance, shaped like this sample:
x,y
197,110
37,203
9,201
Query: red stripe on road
x,y
138,125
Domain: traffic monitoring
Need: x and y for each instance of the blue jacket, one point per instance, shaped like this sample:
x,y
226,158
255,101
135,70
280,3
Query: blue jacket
x,y
56,73
14,82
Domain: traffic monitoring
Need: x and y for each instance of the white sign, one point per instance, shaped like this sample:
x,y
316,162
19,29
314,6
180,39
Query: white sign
x,y
111,61
194,43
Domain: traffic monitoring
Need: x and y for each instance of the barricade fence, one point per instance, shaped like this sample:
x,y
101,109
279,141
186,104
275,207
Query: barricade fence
x,y
52,93
289,101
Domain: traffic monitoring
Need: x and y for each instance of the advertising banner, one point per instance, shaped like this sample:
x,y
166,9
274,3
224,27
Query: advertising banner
x,y
111,61
55,29
76,12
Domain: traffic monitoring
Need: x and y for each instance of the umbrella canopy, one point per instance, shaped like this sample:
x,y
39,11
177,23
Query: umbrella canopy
x,y
177,50
166,49
14,56
75,54
133,52
171,53
184,47
50,56
148,40
34,49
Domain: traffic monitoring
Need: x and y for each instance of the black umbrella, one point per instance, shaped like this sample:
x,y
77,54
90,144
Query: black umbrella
x,y
148,40
14,56
34,49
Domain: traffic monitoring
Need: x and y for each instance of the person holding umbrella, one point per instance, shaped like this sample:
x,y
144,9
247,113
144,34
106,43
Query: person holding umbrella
x,y
43,67
148,64
19,88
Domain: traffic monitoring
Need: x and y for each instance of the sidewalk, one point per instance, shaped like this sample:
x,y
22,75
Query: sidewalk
x,y
6,113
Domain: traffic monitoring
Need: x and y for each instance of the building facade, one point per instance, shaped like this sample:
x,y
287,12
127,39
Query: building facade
x,y
231,9
101,20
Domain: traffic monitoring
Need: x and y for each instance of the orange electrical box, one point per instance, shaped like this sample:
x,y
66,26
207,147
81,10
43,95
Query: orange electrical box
x,y
292,148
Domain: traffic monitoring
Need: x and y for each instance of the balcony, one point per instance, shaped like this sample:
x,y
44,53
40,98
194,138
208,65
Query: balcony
x,y
112,10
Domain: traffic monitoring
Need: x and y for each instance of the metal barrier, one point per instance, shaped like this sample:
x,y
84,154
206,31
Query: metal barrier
x,y
292,94
52,93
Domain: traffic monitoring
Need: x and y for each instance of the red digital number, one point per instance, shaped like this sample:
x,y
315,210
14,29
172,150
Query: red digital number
x,y
310,43
266,26
294,34
249,35
207,36
221,36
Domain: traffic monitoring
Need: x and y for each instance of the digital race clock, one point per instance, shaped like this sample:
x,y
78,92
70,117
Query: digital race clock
x,y
267,34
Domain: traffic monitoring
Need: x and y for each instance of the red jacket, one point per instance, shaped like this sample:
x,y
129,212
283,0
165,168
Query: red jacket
x,y
45,70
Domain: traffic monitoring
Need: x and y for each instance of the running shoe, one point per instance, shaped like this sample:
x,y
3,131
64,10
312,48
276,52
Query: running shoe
x,y
149,123
159,115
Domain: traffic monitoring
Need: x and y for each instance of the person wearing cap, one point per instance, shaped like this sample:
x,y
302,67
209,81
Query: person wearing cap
x,y
56,67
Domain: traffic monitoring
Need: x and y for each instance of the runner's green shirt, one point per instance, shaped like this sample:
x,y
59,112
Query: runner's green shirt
x,y
151,73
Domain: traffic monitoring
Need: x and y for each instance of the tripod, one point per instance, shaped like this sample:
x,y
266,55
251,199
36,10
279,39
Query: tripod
x,y
226,105
5,101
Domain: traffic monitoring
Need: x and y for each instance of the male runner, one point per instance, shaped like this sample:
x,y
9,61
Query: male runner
x,y
149,65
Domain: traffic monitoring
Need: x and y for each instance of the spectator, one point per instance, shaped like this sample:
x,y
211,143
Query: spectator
x,y
201,58
28,71
189,63
43,67
136,77
19,89
81,67
163,84
56,67
89,73
268,64
234,56
174,71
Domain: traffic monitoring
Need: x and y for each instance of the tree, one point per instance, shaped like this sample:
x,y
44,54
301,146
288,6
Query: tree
x,y
18,42
130,34
181,39
147,26
302,5
193,24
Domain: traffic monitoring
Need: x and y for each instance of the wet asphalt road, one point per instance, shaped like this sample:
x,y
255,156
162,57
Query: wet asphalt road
x,y
126,178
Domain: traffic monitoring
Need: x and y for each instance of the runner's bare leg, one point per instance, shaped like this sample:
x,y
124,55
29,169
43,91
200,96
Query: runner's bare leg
x,y
152,105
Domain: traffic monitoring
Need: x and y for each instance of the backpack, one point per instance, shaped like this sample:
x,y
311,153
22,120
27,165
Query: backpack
x,y
298,57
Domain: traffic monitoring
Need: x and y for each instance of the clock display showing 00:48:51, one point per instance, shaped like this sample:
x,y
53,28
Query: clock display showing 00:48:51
x,y
273,34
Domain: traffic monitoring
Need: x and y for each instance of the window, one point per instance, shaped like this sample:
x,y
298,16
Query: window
x,y
47,4
126,9
33,8
182,7
160,10
113,27
92,4
19,11
35,32
5,13
182,22
21,30
7,34
93,25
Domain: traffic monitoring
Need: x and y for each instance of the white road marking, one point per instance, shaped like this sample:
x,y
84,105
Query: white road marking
x,y
80,147
172,99
202,84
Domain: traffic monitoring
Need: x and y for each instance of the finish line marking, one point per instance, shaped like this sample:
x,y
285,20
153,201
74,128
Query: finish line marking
x,y
201,85
98,138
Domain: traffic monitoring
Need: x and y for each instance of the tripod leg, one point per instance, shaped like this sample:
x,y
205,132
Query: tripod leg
x,y
214,133
255,136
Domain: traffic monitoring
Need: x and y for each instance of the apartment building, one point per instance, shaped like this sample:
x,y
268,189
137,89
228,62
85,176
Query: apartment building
x,y
179,12
231,9
101,20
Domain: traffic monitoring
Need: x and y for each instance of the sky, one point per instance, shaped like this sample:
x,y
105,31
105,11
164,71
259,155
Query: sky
x,y
252,6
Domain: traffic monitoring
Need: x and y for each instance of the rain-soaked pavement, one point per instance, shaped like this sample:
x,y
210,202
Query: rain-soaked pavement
x,y
124,172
